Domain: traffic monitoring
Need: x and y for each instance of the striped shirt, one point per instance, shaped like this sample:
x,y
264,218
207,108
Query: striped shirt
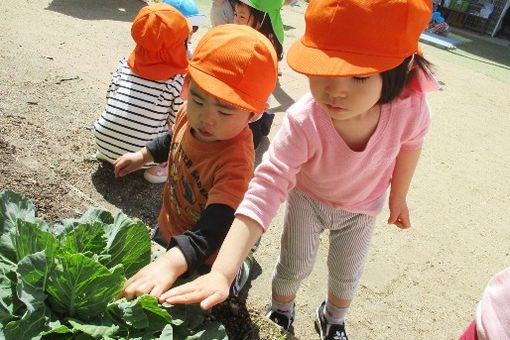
x,y
137,111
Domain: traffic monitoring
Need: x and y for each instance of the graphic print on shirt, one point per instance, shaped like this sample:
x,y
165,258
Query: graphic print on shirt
x,y
185,185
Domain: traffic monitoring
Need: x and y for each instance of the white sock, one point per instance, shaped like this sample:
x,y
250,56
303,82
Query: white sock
x,y
335,315
285,308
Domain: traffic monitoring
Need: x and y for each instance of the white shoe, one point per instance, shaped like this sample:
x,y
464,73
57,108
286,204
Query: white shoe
x,y
157,174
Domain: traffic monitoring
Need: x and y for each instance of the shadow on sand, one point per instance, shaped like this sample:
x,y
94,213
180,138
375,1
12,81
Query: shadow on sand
x,y
489,50
119,10
132,194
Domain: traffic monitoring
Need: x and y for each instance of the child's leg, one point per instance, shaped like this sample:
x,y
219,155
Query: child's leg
x,y
299,244
303,224
349,241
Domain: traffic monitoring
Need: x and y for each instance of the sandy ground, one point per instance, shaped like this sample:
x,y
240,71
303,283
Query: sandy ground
x,y
423,283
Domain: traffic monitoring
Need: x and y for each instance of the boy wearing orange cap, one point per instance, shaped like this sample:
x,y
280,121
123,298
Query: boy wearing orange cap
x,y
339,149
144,94
210,152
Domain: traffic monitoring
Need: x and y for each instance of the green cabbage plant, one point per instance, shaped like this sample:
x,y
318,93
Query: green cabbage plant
x,y
60,280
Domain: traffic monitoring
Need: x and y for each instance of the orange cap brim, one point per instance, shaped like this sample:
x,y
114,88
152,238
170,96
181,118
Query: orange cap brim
x,y
219,89
313,61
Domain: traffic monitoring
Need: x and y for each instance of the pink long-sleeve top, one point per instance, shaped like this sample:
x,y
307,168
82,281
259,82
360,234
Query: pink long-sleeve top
x,y
493,312
308,153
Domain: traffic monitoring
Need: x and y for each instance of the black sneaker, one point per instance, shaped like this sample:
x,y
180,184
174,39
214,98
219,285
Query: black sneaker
x,y
329,331
242,276
281,319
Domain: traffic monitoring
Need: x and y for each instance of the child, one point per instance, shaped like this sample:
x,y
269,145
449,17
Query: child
x,y
437,23
340,147
144,94
492,318
264,16
210,152
188,8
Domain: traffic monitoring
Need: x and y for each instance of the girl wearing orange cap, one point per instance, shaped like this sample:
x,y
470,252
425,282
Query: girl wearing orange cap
x,y
357,133
144,94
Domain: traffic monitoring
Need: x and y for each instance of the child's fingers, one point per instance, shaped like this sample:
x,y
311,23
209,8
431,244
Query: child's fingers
x,y
177,291
212,300
137,288
392,219
158,289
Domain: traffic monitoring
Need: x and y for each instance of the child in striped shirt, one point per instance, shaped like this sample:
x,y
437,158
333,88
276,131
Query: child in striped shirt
x,y
144,94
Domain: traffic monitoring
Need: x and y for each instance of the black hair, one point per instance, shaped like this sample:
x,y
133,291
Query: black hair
x,y
262,18
396,79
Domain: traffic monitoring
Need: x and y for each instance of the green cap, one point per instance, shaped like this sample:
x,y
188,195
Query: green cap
x,y
272,8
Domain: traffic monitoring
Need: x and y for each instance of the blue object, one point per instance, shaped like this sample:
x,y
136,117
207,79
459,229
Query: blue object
x,y
437,17
189,9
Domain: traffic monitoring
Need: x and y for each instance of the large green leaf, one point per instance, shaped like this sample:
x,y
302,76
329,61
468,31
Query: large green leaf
x,y
28,238
7,294
86,238
57,329
128,244
32,272
30,326
91,216
143,314
97,331
167,333
80,287
129,312
97,215
210,331
13,206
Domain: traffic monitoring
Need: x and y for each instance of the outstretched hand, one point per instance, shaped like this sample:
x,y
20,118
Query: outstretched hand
x,y
209,290
130,162
156,277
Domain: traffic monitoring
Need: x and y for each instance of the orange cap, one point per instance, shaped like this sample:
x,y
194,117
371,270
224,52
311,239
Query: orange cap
x,y
160,32
236,64
358,37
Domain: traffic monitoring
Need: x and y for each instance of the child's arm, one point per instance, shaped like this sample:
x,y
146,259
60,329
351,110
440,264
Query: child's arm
x,y
131,161
156,150
185,253
400,182
213,288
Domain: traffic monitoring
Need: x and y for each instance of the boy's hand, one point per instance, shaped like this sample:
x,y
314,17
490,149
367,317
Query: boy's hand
x,y
130,162
399,213
209,290
154,279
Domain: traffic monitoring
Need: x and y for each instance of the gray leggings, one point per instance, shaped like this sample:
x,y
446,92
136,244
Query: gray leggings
x,y
349,239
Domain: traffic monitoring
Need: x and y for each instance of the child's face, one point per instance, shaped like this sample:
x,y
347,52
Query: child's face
x,y
212,119
243,16
344,98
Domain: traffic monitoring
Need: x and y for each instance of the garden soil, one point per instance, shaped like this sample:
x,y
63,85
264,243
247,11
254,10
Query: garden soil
x,y
56,59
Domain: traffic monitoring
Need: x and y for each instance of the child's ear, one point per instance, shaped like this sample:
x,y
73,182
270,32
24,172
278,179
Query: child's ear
x,y
185,87
253,117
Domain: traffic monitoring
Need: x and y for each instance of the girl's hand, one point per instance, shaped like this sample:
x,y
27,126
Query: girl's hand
x,y
399,213
155,278
130,162
209,290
